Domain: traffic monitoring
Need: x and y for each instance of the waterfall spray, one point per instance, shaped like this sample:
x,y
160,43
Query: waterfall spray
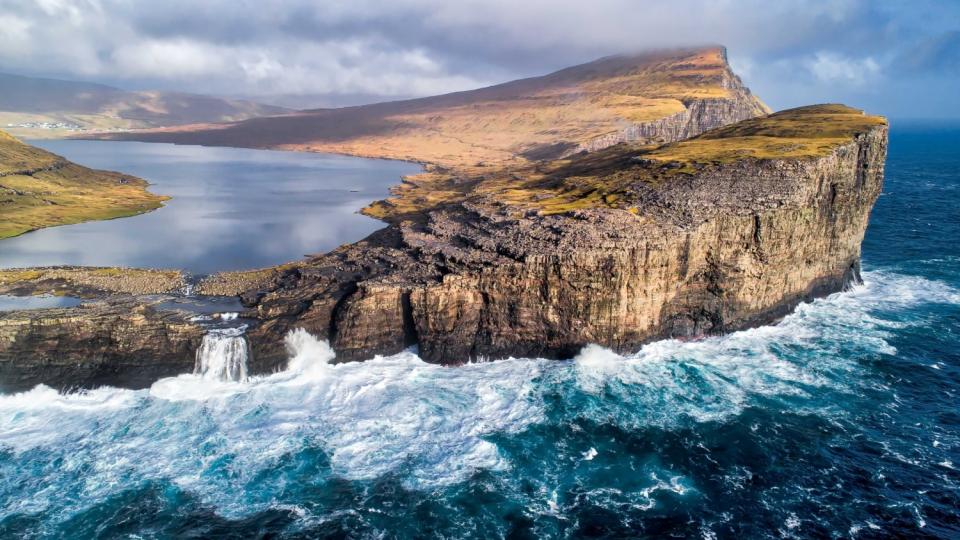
x,y
223,355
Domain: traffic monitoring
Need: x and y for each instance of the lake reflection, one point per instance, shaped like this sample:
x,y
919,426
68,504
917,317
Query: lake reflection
x,y
231,208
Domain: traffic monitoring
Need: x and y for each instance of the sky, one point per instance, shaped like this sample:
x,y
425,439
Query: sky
x,y
898,58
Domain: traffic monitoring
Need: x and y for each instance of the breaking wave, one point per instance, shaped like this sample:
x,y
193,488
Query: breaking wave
x,y
230,443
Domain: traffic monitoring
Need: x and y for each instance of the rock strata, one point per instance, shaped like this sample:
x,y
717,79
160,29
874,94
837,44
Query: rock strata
x,y
699,115
118,343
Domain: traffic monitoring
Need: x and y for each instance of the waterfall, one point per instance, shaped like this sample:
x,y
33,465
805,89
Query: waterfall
x,y
223,355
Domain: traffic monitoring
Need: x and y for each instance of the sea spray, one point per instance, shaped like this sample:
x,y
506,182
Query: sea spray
x,y
223,355
839,422
603,431
305,351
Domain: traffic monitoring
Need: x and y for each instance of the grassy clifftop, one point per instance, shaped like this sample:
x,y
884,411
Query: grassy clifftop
x,y
606,177
40,189
795,133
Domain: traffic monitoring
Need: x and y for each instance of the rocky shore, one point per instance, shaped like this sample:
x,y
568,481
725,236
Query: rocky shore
x,y
89,282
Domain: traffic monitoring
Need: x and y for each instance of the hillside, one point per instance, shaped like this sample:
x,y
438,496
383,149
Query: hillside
x,y
653,98
40,189
30,102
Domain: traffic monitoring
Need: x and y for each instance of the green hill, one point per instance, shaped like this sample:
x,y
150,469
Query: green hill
x,y
40,189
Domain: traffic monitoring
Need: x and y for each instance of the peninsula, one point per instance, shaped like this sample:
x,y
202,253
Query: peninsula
x,y
40,189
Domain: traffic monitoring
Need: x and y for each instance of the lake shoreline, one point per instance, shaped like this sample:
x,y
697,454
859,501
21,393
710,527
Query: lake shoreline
x,y
230,209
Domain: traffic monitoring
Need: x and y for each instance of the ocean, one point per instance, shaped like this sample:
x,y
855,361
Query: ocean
x,y
841,421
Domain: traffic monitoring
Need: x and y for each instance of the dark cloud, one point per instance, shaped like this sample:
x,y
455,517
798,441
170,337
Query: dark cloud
x,y
790,51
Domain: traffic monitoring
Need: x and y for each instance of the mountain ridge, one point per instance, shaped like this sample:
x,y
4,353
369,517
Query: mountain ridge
x,y
660,95
30,102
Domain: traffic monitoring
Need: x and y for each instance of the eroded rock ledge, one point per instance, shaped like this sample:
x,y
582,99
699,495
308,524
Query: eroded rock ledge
x,y
122,342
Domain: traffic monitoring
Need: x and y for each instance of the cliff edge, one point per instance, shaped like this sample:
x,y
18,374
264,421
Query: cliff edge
x,y
617,247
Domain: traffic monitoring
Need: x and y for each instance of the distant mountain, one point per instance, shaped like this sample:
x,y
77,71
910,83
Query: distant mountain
x,y
654,97
29,105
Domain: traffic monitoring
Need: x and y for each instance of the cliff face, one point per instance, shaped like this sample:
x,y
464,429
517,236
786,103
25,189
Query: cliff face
x,y
618,247
734,244
698,115
122,343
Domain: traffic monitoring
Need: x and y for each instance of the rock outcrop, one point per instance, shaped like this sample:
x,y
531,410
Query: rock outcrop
x,y
698,115
128,342
118,343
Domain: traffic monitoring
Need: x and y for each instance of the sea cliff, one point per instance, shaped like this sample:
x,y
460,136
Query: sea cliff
x,y
667,252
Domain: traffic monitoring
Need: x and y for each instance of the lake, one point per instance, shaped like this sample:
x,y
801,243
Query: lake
x,y
232,208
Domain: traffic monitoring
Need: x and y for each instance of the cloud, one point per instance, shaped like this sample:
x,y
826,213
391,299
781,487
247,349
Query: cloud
x,y
16,32
169,59
831,67
417,47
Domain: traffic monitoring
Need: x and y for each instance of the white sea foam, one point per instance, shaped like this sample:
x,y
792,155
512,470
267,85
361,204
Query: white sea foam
x,y
429,425
388,415
671,381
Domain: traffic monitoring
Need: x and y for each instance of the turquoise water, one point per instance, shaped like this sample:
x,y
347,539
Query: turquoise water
x,y
842,421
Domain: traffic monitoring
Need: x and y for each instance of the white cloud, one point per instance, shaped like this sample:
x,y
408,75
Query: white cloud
x,y
836,68
419,47
169,59
16,31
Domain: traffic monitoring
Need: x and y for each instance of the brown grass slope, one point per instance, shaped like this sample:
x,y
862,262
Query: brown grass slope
x,y
537,118
40,189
